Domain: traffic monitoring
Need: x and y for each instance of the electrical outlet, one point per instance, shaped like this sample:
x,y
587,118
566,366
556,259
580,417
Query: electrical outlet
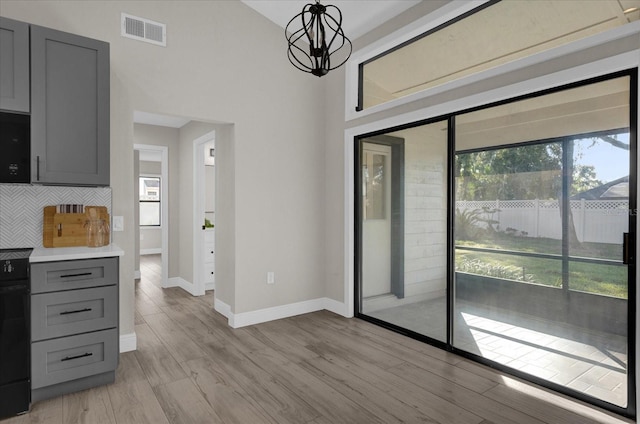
x,y
271,277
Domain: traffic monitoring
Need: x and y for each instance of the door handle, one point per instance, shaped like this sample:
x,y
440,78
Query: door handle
x,y
628,248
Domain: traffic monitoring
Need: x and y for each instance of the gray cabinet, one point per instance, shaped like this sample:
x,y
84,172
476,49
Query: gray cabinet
x,y
74,325
14,65
69,109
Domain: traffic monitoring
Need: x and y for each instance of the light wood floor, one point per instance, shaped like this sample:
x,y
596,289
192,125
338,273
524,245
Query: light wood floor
x,y
319,368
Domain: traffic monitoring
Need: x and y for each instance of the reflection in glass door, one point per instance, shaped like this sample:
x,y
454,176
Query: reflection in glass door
x,y
542,208
402,222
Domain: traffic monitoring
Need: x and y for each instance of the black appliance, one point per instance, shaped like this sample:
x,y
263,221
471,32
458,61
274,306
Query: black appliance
x,y
15,338
15,148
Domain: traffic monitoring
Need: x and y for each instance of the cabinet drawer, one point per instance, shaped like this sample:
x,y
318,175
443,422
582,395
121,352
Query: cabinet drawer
x,y
68,358
209,254
209,273
71,312
77,274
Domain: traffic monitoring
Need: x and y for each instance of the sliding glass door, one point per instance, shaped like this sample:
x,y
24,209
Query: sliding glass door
x,y
403,221
507,234
542,209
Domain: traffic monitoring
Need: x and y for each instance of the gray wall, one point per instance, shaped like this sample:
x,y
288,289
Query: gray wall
x,y
168,137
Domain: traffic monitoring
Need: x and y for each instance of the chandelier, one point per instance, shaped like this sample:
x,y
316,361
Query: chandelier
x,y
321,28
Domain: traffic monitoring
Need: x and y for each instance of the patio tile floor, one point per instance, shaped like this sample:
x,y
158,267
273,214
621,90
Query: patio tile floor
x,y
591,362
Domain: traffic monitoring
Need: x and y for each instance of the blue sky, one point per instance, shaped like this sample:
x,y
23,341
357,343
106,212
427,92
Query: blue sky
x,y
610,162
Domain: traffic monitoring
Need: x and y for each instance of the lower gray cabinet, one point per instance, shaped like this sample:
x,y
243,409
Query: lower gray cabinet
x,y
65,313
71,358
74,325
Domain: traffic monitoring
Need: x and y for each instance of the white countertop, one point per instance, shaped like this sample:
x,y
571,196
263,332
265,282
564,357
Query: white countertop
x,y
44,254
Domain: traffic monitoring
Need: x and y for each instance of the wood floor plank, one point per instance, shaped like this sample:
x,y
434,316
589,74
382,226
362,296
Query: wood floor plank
x,y
154,358
129,370
192,324
285,338
174,337
370,397
548,407
429,404
434,365
373,355
144,304
459,395
136,403
183,404
282,403
317,393
390,336
227,399
91,406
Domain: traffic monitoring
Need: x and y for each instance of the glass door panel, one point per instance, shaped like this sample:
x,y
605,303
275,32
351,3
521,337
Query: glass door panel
x,y
402,226
541,205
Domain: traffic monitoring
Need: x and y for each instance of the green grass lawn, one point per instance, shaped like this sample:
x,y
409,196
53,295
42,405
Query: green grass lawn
x,y
603,279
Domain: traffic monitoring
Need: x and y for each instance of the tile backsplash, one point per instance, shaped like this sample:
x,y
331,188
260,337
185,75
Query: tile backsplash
x,y
21,209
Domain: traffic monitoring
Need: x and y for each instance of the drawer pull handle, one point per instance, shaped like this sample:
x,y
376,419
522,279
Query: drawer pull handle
x,y
69,358
76,312
83,274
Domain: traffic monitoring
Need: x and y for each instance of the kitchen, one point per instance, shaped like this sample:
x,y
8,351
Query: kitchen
x,y
59,274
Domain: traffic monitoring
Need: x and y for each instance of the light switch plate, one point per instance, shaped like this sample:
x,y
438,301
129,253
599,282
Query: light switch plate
x,y
118,223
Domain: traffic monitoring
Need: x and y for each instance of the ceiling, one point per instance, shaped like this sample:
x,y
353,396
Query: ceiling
x,y
359,16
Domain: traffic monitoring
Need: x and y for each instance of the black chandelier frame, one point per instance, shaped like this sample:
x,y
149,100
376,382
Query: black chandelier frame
x,y
317,25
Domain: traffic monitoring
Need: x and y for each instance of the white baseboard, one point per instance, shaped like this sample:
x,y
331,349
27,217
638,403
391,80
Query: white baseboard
x,y
184,285
336,307
137,275
278,312
128,342
222,307
152,251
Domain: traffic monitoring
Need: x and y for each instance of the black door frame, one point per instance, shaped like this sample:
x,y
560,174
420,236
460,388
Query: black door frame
x,y
631,409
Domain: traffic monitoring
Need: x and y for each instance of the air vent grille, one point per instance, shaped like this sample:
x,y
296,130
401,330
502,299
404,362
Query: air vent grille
x,y
143,30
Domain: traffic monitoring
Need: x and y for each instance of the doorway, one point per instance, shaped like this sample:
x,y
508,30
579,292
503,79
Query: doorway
x,y
204,212
520,227
157,208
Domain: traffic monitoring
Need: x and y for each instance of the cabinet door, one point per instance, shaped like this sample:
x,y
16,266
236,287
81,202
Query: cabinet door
x,y
14,65
70,109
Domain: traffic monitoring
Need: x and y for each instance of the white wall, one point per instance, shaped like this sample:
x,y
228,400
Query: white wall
x,y
223,63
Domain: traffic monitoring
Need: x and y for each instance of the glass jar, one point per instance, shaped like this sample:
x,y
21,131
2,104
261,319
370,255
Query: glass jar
x,y
97,232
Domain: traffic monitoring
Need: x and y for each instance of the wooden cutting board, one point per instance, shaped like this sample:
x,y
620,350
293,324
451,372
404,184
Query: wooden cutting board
x,y
69,229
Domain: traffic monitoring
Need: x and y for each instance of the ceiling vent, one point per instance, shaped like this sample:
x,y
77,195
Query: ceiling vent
x,y
143,30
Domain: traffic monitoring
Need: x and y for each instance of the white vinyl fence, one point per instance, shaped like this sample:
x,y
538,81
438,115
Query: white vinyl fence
x,y
598,221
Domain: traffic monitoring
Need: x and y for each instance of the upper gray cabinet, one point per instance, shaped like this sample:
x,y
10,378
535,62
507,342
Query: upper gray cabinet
x,y
69,109
14,65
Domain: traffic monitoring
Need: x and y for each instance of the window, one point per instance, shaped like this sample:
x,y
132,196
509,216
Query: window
x,y
149,201
475,41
